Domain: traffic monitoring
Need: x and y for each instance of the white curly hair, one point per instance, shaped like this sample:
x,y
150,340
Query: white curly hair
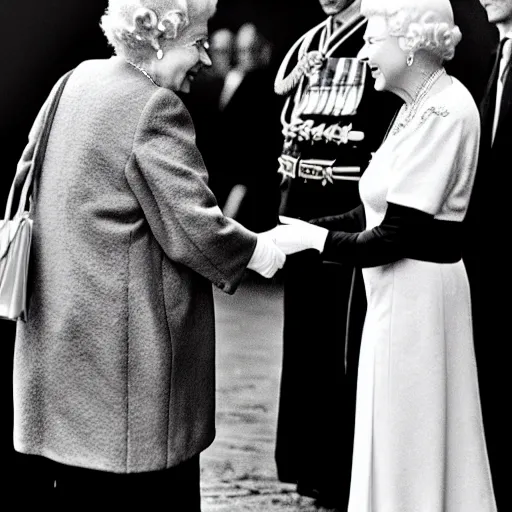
x,y
419,24
139,28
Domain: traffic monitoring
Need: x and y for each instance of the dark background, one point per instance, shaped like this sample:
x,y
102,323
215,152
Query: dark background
x,y
42,39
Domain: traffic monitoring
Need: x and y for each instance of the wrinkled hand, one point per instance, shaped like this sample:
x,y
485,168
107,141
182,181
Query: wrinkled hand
x,y
267,258
297,235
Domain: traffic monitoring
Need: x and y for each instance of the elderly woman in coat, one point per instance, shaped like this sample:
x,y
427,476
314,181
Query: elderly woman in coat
x,y
114,368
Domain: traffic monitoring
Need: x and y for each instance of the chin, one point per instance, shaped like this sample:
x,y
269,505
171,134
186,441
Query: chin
x,y
493,15
330,11
185,86
380,84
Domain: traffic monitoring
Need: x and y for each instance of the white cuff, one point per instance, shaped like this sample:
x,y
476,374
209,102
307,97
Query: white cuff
x,y
318,237
267,258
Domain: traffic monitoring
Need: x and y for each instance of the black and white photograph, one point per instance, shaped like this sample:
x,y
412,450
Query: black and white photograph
x,y
252,255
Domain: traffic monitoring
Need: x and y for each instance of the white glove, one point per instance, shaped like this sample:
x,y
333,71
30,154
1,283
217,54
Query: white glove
x,y
296,235
267,258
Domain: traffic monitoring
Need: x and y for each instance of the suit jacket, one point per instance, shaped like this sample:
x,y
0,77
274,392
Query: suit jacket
x,y
488,201
114,369
485,248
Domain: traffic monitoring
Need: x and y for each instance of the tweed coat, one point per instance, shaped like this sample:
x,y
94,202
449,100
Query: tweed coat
x,y
114,368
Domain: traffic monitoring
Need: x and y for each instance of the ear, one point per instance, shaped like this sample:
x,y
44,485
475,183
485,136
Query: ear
x,y
172,24
404,44
145,19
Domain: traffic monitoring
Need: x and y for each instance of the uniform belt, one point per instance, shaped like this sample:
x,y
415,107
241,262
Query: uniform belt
x,y
316,169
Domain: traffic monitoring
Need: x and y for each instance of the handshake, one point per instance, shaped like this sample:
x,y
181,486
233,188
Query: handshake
x,y
294,235
289,237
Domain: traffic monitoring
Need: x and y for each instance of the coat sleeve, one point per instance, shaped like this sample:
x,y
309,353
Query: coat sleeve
x,y
167,175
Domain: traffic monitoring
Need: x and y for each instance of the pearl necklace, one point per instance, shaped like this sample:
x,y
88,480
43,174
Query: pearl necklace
x,y
406,114
144,72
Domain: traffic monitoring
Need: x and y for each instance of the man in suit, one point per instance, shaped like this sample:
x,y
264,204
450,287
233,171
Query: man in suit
x,y
487,215
329,137
472,57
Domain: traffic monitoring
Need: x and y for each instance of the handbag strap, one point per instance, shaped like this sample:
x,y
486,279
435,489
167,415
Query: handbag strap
x,y
39,153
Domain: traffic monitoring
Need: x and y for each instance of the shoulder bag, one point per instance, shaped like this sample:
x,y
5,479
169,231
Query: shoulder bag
x,y
16,231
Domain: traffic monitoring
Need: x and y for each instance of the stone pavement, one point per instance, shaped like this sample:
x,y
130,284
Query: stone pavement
x,y
238,470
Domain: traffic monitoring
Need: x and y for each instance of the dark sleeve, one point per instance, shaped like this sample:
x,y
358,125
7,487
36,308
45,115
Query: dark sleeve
x,y
386,243
351,221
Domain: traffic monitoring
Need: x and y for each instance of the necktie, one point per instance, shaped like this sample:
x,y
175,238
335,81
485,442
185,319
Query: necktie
x,y
501,99
506,54
232,81
488,104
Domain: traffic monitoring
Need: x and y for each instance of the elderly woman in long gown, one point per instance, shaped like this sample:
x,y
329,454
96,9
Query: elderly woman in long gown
x,y
419,442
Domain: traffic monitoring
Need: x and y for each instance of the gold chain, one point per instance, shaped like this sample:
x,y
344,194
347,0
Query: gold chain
x,y
144,72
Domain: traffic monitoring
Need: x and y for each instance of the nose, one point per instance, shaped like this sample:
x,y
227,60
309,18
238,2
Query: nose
x,y
205,58
362,55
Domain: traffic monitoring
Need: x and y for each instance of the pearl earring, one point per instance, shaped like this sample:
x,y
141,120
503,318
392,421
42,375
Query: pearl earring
x,y
160,54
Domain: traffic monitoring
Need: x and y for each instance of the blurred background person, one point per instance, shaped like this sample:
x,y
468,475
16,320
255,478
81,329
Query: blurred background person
x,y
243,114
221,52
251,118
252,51
203,103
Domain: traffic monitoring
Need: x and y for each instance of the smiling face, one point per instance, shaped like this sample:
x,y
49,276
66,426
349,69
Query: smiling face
x,y
183,59
382,53
331,7
499,12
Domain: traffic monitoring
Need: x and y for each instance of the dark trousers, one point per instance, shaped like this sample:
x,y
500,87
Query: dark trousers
x,y
491,313
43,484
315,424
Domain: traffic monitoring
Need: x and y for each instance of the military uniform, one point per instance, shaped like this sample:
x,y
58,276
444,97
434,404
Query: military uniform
x,y
332,120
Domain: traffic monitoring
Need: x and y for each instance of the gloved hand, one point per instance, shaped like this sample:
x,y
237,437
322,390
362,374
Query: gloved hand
x,y
267,258
296,235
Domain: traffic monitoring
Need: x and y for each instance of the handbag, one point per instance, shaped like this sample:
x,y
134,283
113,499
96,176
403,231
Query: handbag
x,y
16,232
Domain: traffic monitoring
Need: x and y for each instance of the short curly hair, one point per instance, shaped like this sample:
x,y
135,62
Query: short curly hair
x,y
138,28
419,24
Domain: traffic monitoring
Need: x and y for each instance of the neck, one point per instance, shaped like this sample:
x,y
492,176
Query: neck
x,y
336,22
145,71
504,29
414,83
350,10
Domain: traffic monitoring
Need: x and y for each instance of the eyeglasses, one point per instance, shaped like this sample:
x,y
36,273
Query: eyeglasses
x,y
373,40
201,44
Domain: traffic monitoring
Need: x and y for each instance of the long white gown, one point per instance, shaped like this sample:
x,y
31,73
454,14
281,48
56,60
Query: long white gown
x,y
419,443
